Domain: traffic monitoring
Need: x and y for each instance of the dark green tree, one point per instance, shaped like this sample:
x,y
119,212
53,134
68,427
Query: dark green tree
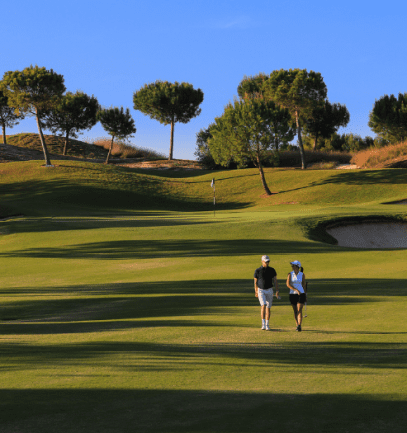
x,y
388,119
34,91
117,123
252,85
325,121
246,131
283,127
298,90
8,117
202,151
169,103
75,112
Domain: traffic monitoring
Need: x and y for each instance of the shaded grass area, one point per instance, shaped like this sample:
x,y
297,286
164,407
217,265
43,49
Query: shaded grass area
x,y
198,411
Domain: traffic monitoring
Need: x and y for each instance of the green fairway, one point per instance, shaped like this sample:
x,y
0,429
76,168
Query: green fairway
x,y
128,306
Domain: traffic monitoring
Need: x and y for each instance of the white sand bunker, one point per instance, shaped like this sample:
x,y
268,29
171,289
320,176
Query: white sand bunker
x,y
371,235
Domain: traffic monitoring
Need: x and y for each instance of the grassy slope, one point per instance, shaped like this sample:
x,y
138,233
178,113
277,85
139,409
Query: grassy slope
x,y
55,145
126,313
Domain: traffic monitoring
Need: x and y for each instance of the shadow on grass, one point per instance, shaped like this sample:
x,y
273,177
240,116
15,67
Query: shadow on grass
x,y
200,411
64,197
129,221
100,308
368,177
324,291
146,356
173,248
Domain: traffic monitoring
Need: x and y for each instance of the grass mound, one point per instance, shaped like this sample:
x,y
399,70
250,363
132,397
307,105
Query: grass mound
x,y
55,145
393,155
89,149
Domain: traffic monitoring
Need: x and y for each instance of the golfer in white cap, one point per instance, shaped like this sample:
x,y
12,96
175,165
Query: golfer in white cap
x,y
296,283
265,278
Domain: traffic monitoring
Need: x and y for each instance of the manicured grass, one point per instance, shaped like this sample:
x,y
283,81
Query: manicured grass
x,y
126,305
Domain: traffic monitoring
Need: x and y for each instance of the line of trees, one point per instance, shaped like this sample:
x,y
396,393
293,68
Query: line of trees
x,y
270,111
36,91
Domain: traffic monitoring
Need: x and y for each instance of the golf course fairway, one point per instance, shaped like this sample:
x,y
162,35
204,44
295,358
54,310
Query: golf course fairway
x,y
127,302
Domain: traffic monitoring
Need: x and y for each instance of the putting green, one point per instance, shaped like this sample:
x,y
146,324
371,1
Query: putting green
x,y
120,315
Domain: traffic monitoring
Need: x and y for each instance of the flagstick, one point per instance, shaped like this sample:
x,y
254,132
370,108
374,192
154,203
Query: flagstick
x,y
214,201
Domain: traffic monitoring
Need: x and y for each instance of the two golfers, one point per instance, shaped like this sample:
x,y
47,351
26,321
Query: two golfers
x,y
265,278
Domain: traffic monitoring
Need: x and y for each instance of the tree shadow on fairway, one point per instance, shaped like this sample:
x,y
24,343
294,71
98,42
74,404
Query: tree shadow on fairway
x,y
368,177
60,197
172,248
354,290
201,411
33,225
148,356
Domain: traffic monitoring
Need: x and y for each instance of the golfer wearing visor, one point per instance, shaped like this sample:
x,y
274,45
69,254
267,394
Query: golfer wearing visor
x,y
265,278
296,283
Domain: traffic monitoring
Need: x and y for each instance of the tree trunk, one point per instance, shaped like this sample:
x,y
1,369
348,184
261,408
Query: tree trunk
x,y
297,120
110,150
315,142
263,179
44,146
66,143
172,140
4,134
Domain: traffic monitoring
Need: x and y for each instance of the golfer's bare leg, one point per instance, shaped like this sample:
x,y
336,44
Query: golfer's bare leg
x,y
299,316
295,309
267,313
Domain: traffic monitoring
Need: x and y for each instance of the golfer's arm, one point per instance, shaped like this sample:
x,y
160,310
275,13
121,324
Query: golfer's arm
x,y
276,284
256,288
304,283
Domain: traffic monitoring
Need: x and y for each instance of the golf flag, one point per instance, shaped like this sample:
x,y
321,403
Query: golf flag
x,y
213,183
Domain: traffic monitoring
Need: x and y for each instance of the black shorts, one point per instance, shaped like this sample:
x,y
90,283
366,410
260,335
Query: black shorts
x,y
298,299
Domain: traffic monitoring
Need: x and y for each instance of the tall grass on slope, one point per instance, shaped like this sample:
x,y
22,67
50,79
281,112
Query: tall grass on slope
x,y
289,158
127,150
393,155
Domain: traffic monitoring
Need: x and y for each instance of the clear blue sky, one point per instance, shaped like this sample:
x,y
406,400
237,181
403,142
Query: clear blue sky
x,y
112,48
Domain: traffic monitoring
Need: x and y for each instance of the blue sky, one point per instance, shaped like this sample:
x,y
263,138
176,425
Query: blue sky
x,y
112,48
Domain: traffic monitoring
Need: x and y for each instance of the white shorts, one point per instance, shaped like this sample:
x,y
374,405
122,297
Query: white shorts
x,y
265,297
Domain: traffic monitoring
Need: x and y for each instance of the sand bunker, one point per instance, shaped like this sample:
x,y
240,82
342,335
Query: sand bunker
x,y
371,235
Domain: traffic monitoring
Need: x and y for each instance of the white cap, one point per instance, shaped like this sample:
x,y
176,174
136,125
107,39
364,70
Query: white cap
x,y
296,263
265,258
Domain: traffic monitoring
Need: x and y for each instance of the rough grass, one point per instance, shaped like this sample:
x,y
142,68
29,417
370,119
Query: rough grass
x,y
293,158
135,311
126,150
393,155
